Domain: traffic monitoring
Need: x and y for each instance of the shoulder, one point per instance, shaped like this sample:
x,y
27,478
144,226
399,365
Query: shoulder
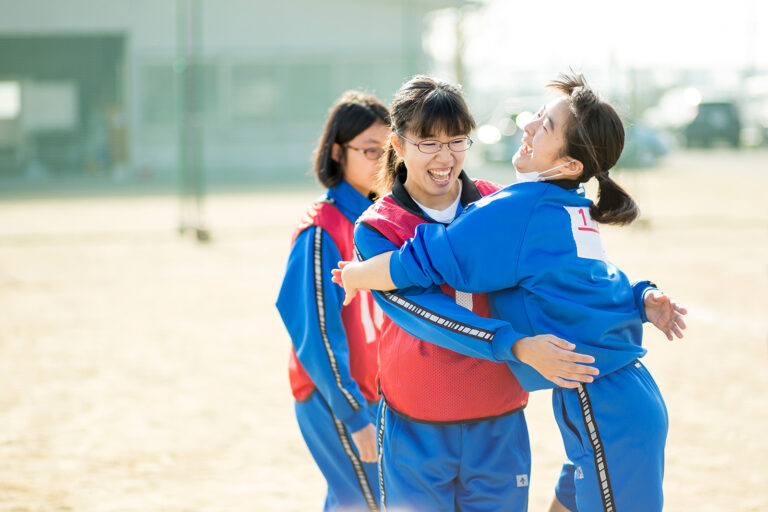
x,y
388,213
516,196
486,187
323,213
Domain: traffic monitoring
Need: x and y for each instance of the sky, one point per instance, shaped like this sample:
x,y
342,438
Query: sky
x,y
506,36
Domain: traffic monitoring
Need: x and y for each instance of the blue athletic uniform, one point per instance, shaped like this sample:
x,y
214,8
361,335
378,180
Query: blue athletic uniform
x,y
536,247
333,362
451,428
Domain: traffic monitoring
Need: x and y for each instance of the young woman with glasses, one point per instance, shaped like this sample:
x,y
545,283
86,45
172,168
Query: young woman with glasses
x,y
333,362
536,246
452,434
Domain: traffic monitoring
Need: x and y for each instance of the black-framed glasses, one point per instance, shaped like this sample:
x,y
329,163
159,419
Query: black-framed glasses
x,y
369,153
431,147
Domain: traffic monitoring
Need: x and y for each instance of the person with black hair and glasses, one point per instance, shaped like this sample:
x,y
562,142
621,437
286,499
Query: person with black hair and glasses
x,y
333,362
535,248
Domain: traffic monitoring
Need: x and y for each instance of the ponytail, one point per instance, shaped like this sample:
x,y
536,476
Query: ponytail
x,y
391,168
614,205
594,135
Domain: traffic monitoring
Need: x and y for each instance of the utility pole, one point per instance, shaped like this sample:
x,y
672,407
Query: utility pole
x,y
189,86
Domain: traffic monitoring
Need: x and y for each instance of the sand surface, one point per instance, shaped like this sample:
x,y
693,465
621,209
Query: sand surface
x,y
142,371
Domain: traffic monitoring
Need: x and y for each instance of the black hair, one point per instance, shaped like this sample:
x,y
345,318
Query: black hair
x,y
351,114
594,135
423,106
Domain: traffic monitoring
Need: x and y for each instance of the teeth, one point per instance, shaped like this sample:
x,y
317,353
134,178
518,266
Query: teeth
x,y
440,175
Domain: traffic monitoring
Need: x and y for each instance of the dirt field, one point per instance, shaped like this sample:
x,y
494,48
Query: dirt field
x,y
141,371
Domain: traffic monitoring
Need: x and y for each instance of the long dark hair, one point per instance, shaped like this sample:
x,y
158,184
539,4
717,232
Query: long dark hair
x,y
423,106
351,114
594,135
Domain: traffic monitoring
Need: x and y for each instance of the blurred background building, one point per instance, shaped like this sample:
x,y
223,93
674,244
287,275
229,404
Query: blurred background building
x,y
130,90
116,93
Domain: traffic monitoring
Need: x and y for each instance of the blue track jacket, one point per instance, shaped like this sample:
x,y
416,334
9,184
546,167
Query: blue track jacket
x,y
297,304
536,247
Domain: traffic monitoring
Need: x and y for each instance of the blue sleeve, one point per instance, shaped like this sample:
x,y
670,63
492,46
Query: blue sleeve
x,y
487,236
639,289
432,316
310,305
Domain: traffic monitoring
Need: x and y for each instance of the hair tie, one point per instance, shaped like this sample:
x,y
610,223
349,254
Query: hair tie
x,y
603,177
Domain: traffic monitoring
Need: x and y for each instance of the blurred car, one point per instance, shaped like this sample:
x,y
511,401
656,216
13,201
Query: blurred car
x,y
714,122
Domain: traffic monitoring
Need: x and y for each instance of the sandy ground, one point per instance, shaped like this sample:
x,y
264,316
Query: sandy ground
x,y
141,371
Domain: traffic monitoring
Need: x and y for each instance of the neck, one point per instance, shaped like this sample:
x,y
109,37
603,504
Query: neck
x,y
364,191
440,202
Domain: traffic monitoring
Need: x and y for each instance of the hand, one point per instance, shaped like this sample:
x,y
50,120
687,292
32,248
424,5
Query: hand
x,y
665,313
365,441
555,360
341,276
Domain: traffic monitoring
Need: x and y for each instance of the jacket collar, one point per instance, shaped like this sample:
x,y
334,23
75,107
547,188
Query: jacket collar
x,y
348,200
469,194
565,184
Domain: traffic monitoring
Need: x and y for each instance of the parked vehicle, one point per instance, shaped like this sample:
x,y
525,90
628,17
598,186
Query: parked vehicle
x,y
714,122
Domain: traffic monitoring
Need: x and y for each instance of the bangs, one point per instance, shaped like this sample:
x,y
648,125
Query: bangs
x,y
441,113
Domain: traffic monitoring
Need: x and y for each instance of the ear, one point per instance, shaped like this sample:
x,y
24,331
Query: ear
x,y
573,169
397,143
336,152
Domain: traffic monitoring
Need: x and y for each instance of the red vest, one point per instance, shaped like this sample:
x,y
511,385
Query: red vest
x,y
362,332
426,382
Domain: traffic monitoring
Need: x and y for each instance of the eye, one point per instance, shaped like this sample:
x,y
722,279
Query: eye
x,y
428,144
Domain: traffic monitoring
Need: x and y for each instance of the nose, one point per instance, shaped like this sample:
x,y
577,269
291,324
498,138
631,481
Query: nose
x,y
530,127
445,153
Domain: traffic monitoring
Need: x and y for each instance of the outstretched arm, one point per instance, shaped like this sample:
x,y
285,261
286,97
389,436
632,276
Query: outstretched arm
x,y
371,274
433,316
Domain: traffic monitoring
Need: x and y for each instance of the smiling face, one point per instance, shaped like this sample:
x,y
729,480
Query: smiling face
x,y
359,171
543,142
432,179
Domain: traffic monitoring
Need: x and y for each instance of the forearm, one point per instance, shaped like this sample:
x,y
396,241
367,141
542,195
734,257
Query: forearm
x,y
371,274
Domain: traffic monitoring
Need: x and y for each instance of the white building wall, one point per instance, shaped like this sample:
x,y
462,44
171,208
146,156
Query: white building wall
x,y
333,45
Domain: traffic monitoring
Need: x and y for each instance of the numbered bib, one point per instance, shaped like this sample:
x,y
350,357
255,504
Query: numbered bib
x,y
586,234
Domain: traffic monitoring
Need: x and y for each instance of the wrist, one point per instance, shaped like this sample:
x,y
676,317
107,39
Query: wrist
x,y
518,348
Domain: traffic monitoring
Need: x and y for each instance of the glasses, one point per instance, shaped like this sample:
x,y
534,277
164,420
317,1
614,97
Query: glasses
x,y
431,147
369,153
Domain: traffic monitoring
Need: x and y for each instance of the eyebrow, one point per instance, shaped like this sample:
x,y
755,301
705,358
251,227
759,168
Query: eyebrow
x,y
375,141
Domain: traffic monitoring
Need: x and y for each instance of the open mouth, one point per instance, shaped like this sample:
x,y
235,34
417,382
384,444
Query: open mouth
x,y
440,176
525,149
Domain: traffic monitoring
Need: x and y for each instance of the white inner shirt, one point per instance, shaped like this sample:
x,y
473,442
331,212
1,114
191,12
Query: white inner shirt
x,y
446,215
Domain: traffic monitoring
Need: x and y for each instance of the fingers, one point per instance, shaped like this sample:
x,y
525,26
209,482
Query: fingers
x,y
343,264
336,277
565,353
576,357
575,376
559,342
349,297
565,383
365,442
368,454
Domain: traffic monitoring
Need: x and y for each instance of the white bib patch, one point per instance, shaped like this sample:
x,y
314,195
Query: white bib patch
x,y
586,234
